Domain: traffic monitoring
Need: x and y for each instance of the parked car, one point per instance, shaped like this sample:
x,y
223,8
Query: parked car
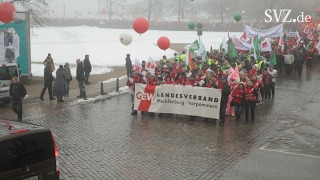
x,y
7,70
27,152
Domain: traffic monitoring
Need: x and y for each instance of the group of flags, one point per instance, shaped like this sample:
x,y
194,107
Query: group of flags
x,y
255,46
150,66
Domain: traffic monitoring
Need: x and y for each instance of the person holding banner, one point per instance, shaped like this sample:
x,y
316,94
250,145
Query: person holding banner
x,y
137,78
225,92
131,87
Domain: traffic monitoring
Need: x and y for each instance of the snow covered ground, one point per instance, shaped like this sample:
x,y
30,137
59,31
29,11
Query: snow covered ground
x,y
66,44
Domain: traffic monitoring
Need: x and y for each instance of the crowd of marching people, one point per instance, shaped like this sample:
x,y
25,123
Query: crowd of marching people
x,y
245,82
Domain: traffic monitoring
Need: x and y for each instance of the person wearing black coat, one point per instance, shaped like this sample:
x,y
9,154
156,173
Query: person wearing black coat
x,y
225,92
300,60
128,65
87,69
17,93
48,78
280,62
80,77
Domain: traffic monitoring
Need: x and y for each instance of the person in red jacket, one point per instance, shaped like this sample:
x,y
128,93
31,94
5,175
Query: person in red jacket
x,y
251,96
136,79
211,83
179,80
190,80
152,81
168,80
265,84
309,59
238,100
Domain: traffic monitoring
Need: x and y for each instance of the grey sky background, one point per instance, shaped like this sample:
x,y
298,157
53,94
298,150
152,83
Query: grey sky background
x,y
81,6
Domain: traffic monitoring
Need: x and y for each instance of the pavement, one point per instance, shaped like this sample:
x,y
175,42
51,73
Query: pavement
x,y
101,140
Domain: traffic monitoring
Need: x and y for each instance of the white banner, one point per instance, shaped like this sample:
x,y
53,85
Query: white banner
x,y
177,99
240,45
273,32
266,45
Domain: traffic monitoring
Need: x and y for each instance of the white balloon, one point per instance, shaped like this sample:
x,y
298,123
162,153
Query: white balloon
x,y
125,38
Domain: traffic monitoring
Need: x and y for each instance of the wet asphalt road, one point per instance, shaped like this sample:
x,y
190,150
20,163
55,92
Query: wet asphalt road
x,y
102,140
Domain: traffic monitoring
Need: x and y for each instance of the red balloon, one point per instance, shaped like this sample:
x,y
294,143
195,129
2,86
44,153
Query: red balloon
x,y
141,25
163,43
7,12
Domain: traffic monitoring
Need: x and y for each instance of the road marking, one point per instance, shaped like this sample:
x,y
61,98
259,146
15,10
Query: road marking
x,y
263,148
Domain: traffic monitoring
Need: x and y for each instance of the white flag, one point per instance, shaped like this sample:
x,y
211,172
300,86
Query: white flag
x,y
151,65
266,45
243,37
2,51
298,38
202,50
224,45
308,32
136,66
240,45
281,43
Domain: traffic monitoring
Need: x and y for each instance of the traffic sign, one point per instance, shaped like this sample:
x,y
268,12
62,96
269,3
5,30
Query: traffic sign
x,y
199,26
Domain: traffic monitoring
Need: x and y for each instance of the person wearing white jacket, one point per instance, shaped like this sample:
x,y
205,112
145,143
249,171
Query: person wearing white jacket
x,y
288,61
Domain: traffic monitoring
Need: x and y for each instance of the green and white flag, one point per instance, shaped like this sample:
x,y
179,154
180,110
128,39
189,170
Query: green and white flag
x,y
194,46
233,51
202,50
273,59
256,46
224,46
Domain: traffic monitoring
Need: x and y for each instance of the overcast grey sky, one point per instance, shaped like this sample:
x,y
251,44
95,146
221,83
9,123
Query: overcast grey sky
x,y
82,6
71,6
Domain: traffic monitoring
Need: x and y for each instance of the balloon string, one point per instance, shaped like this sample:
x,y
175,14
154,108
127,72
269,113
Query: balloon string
x,y
138,46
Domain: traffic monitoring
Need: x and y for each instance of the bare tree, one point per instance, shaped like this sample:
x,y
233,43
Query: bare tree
x,y
148,8
37,9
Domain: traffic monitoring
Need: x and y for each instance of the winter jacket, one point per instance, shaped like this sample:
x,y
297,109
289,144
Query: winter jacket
x,y
80,72
128,63
238,96
266,81
169,82
60,86
17,91
190,83
151,82
256,83
179,81
251,94
48,78
68,72
225,92
300,59
309,56
87,65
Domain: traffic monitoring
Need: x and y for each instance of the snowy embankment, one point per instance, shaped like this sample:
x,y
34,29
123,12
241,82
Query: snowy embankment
x,y
66,44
